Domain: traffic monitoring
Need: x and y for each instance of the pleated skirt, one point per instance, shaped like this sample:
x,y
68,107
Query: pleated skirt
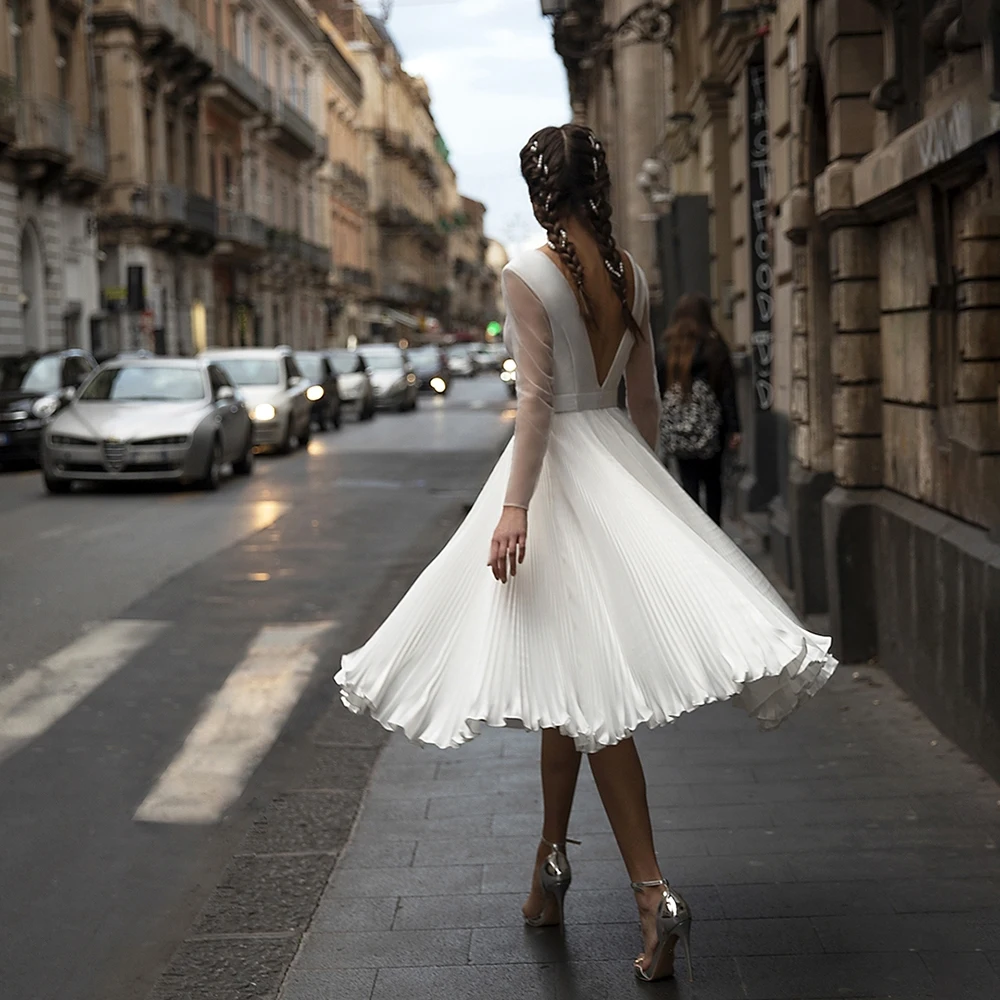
x,y
630,609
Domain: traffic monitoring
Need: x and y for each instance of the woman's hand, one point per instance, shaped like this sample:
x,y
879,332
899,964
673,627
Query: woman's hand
x,y
509,541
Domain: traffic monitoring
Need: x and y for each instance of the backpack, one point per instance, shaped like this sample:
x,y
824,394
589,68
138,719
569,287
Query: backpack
x,y
691,427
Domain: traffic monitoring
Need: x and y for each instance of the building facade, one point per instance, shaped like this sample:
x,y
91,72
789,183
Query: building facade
x,y
831,177
208,223
473,282
410,184
345,188
52,161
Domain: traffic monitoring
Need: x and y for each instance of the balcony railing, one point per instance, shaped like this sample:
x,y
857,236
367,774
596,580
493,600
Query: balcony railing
x,y
201,214
236,76
169,204
44,125
354,276
296,124
317,257
240,227
159,15
91,152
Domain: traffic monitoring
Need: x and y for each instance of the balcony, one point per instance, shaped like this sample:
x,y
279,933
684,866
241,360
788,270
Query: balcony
x,y
201,215
174,34
89,168
240,234
349,184
316,257
293,131
353,278
237,88
43,128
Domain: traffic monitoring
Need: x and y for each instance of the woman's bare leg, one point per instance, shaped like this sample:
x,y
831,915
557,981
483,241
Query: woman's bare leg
x,y
621,783
560,769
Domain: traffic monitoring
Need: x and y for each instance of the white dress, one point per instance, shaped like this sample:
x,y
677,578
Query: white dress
x,y
631,607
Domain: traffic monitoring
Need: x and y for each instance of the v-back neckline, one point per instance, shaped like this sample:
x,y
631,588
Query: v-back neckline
x,y
601,384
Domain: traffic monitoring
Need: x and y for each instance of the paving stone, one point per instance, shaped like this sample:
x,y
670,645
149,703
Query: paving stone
x,y
362,914
953,932
418,829
818,977
450,880
383,949
340,768
968,976
523,982
304,821
516,945
339,727
395,774
948,895
804,899
379,853
265,894
340,984
715,979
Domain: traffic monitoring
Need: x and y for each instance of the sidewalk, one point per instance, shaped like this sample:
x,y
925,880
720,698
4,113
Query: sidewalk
x,y
853,853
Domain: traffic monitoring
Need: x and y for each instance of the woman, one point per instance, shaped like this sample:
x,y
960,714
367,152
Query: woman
x,y
629,608
697,358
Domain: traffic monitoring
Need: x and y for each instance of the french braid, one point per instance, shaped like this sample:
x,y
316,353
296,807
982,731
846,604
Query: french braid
x,y
567,174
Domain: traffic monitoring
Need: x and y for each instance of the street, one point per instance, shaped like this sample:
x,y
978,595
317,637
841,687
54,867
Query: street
x,y
137,630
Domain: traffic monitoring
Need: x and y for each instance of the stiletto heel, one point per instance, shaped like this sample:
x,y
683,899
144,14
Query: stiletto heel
x,y
673,924
555,877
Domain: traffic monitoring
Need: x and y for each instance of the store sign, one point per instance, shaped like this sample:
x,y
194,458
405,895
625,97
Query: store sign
x,y
114,298
761,271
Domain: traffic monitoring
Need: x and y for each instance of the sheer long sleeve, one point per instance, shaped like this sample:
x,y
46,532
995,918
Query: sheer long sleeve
x,y
528,335
640,373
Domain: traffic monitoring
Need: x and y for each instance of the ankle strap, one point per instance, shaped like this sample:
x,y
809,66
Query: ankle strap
x,y
653,884
559,847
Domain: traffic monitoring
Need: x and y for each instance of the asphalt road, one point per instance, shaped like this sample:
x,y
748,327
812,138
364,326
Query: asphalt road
x,y
138,630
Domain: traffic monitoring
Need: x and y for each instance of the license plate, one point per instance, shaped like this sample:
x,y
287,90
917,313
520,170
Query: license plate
x,y
4,439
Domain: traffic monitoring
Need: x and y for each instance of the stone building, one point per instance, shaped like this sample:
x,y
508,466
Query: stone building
x,y
52,160
829,173
409,179
208,222
346,193
473,296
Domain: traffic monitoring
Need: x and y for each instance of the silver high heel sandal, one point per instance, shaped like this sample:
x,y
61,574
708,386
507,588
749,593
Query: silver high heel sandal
x,y
555,876
673,923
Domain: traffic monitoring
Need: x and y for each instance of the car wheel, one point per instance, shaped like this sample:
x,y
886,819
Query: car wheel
x,y
58,486
213,474
306,434
323,418
335,419
243,466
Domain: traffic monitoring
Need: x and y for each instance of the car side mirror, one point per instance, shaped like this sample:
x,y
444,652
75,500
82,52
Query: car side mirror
x,y
295,380
70,391
225,392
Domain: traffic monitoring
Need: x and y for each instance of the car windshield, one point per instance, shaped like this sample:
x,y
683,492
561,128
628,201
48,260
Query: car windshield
x,y
251,371
384,360
145,383
37,375
311,365
459,350
344,362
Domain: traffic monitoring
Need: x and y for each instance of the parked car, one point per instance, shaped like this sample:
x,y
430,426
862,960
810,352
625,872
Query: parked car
x,y
431,368
392,378
354,382
177,419
490,357
33,388
275,392
460,362
324,391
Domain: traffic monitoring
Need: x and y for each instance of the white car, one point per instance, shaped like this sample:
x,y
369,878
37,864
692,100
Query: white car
x,y
392,376
460,360
275,392
353,382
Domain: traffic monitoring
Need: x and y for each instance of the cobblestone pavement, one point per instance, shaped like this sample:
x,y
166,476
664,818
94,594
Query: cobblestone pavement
x,y
853,853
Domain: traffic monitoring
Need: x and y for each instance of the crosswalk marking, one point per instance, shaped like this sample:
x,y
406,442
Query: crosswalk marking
x,y
38,698
237,728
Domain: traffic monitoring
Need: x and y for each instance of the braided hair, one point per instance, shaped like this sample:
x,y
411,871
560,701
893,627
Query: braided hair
x,y
566,171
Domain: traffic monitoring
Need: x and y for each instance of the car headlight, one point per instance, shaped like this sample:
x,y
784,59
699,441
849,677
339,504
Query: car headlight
x,y
509,365
263,411
45,407
314,393
438,384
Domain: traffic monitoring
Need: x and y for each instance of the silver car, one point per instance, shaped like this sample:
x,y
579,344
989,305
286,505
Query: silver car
x,y
392,376
354,382
275,391
149,419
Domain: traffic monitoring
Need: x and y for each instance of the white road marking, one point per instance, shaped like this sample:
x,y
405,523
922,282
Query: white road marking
x,y
237,728
33,702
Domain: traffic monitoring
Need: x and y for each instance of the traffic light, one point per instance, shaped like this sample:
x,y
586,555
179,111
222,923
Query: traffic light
x,y
494,329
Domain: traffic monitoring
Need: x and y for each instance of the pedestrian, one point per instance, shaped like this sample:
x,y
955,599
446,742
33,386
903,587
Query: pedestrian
x,y
699,418
628,609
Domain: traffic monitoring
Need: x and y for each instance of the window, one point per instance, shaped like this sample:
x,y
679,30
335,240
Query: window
x,y
263,61
247,42
170,151
291,371
253,206
227,179
15,18
293,82
305,90
63,65
277,72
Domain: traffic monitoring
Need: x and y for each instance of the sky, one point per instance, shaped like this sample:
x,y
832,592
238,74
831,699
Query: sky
x,y
494,80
